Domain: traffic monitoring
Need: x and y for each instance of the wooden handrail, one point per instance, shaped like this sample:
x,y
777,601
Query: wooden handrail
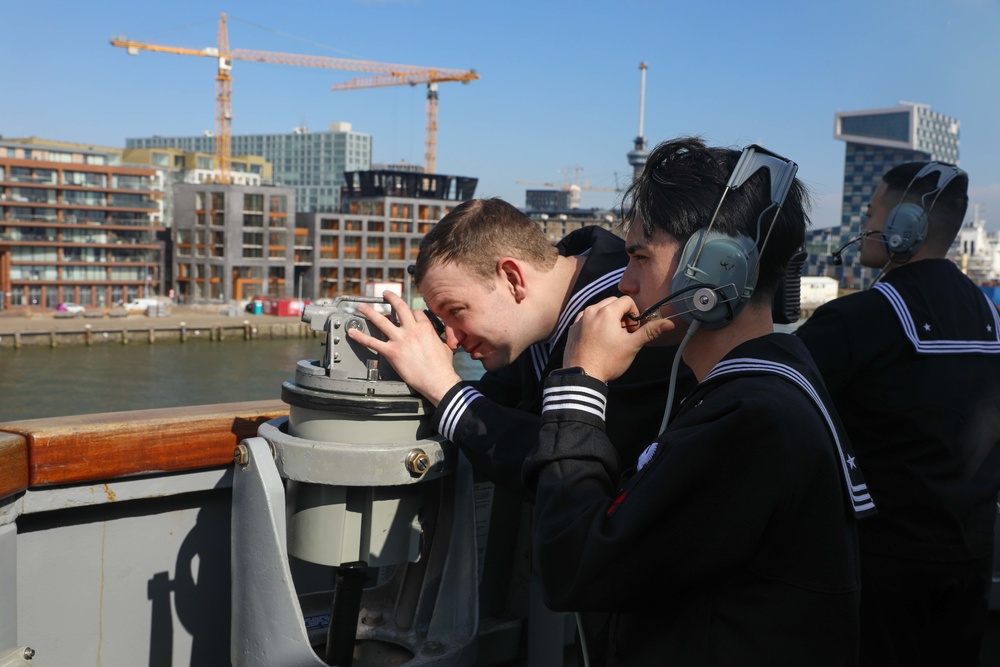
x,y
87,448
13,464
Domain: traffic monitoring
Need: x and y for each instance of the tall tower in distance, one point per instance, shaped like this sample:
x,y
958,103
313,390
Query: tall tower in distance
x,y
638,155
877,140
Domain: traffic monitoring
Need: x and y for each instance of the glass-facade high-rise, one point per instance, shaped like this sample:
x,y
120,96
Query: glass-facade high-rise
x,y
877,140
313,163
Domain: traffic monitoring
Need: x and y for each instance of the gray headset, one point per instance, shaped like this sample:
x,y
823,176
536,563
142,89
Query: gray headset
x,y
906,223
718,273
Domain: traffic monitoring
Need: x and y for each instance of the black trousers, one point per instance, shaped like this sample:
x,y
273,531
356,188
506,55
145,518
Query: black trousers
x,y
921,612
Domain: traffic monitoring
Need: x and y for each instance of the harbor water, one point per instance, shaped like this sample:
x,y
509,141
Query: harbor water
x,y
40,381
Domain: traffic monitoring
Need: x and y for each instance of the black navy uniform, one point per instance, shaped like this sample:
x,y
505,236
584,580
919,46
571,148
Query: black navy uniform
x,y
913,366
495,420
734,540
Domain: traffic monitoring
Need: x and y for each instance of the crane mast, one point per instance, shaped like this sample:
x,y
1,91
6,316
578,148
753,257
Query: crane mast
x,y
432,76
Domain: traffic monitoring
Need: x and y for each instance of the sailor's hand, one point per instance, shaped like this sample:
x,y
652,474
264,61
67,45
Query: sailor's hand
x,y
600,343
413,348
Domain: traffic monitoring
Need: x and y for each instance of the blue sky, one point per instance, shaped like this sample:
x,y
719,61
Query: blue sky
x,y
559,87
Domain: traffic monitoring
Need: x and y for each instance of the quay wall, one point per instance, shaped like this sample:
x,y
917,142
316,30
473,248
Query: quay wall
x,y
18,332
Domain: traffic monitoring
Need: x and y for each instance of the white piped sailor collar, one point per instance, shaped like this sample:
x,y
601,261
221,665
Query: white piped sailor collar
x,y
857,489
925,338
540,352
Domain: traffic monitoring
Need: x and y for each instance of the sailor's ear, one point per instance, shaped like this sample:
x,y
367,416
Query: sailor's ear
x,y
512,272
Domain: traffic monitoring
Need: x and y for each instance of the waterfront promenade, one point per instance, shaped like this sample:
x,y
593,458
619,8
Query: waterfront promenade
x,y
43,327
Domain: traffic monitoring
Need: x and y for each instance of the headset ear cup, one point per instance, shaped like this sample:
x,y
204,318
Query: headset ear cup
x,y
904,231
724,266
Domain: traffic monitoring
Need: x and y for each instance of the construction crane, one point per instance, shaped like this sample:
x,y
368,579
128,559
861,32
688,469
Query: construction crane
x,y
574,188
224,79
432,77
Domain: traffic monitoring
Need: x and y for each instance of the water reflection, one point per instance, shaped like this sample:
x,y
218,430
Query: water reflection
x,y
47,382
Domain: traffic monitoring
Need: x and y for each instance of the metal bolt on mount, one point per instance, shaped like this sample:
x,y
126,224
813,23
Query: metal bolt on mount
x,y
417,462
373,619
241,455
433,648
29,653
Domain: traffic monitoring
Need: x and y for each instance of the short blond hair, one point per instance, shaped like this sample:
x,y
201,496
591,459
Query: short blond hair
x,y
477,233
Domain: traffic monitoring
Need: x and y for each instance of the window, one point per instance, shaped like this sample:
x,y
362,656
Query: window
x,y
131,201
253,244
352,247
129,182
218,245
328,250
83,178
253,203
374,248
396,248
85,198
32,195
84,216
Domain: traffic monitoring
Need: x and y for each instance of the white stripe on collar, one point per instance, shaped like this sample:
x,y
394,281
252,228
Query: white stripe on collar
x,y
540,351
939,346
860,498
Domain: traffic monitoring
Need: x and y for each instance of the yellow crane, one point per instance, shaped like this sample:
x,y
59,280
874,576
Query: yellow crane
x,y
432,76
224,80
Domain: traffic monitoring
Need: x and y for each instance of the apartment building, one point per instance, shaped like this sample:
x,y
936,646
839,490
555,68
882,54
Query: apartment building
x,y
77,226
193,167
233,242
557,224
314,163
376,236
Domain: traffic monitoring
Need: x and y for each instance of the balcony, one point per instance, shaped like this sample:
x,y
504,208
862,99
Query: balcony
x,y
32,198
31,217
131,222
24,178
140,187
26,238
117,202
76,199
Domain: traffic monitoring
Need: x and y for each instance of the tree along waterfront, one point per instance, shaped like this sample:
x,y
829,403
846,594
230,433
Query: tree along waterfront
x,y
38,382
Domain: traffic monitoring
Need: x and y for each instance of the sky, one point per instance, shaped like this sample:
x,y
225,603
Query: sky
x,y
558,96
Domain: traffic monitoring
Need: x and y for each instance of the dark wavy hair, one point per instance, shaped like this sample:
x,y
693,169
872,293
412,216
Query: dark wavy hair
x,y
680,187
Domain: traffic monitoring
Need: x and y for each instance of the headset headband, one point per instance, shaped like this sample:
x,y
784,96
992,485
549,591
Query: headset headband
x,y
781,172
946,173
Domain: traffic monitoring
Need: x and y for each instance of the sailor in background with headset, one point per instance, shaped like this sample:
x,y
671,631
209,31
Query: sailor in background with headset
x,y
732,540
913,366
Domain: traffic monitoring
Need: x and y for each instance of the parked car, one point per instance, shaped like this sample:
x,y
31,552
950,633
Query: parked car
x,y
74,308
140,305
